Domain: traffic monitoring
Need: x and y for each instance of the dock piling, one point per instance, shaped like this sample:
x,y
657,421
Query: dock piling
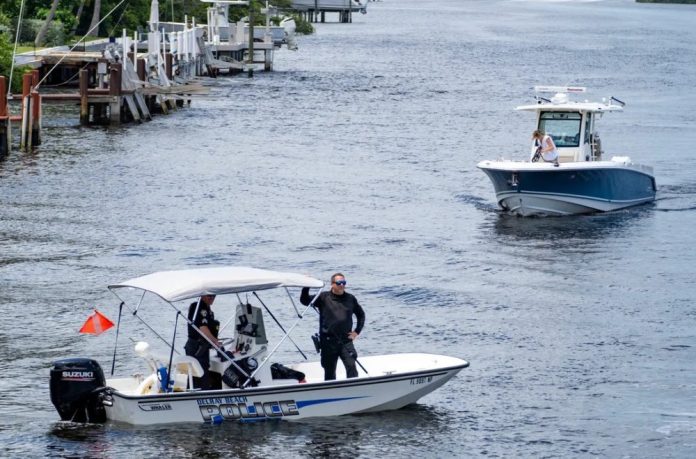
x,y
35,119
115,94
26,91
5,126
84,100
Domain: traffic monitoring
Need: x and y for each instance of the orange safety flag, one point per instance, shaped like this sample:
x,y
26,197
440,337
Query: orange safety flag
x,y
96,324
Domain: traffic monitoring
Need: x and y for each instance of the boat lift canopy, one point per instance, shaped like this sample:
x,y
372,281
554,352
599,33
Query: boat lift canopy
x,y
192,283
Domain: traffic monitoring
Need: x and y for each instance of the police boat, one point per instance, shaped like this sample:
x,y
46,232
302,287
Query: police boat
x,y
583,180
246,383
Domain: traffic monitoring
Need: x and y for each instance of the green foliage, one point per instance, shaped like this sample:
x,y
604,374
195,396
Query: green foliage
x,y
4,21
6,48
67,18
55,35
302,27
131,15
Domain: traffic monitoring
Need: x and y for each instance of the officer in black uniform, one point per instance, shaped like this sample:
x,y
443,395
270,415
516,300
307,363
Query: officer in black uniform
x,y
336,334
196,346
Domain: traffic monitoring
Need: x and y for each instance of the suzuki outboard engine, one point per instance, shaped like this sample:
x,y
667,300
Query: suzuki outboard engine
x,y
76,387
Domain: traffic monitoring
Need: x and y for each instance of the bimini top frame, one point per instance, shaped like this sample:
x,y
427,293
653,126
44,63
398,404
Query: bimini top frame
x,y
185,284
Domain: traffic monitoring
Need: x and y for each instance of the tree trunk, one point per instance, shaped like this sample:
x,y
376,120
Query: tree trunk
x,y
95,19
44,28
77,17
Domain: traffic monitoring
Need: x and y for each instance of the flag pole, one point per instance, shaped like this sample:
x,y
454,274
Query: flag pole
x,y
118,327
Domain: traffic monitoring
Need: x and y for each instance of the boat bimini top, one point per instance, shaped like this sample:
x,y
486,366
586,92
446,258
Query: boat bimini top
x,y
175,286
192,283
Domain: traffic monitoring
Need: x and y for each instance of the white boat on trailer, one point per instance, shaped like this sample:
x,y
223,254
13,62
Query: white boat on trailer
x,y
251,388
582,181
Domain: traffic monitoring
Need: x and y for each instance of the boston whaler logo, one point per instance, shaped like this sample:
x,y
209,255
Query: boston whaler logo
x,y
77,376
155,406
239,408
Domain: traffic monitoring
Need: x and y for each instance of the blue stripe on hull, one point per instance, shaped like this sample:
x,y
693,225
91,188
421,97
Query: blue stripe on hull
x,y
626,187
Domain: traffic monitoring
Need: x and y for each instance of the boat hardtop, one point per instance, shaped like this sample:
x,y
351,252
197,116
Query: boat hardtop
x,y
562,102
246,384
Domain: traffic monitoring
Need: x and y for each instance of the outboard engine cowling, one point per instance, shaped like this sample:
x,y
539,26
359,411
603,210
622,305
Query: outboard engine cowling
x,y
76,386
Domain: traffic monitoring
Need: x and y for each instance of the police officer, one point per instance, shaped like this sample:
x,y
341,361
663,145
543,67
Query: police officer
x,y
336,333
202,316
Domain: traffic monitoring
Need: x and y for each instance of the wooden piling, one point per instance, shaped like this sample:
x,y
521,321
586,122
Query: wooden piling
x,y
268,60
141,70
5,127
84,100
168,66
34,132
250,69
26,90
115,94
36,118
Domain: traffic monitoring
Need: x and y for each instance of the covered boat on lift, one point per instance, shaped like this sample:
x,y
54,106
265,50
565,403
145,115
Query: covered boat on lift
x,y
247,385
583,180
330,5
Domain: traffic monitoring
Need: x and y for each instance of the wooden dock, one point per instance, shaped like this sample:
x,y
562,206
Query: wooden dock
x,y
110,90
315,10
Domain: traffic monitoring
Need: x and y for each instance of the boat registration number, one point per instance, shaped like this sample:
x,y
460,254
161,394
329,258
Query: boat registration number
x,y
421,380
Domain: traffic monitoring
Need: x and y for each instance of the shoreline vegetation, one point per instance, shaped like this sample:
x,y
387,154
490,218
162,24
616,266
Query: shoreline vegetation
x,y
62,22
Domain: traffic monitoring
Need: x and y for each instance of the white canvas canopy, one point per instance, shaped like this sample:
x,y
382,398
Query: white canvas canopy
x,y
192,283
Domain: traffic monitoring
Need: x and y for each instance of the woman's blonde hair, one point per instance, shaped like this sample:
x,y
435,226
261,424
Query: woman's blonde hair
x,y
537,134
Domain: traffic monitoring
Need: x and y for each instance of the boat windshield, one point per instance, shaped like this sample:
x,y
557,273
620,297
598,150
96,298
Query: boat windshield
x,y
563,127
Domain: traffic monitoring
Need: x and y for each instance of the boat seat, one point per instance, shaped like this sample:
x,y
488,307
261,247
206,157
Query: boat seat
x,y
566,157
185,368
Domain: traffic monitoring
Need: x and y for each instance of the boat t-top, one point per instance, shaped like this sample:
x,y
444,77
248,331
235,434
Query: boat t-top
x,y
582,179
249,384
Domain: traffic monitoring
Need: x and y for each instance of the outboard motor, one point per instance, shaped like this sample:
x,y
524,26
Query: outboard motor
x,y
76,386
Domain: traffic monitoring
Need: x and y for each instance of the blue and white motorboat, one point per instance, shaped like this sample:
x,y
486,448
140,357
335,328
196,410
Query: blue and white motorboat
x,y
582,180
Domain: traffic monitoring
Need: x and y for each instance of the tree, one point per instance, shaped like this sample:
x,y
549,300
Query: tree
x,y
94,30
77,17
42,32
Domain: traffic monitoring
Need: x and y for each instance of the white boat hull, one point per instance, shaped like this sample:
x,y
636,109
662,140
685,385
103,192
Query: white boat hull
x,y
394,381
530,204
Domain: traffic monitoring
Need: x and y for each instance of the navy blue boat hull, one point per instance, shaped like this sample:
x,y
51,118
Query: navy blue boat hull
x,y
566,190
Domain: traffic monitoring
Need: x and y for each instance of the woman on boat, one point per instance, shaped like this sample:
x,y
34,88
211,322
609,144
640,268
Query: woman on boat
x,y
544,147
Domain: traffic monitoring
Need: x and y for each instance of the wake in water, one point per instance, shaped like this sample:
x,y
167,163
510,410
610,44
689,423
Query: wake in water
x,y
677,198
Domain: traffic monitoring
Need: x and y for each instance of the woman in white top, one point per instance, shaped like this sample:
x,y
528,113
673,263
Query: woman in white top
x,y
545,147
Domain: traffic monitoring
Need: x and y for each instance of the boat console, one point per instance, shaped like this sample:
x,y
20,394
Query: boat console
x,y
248,349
